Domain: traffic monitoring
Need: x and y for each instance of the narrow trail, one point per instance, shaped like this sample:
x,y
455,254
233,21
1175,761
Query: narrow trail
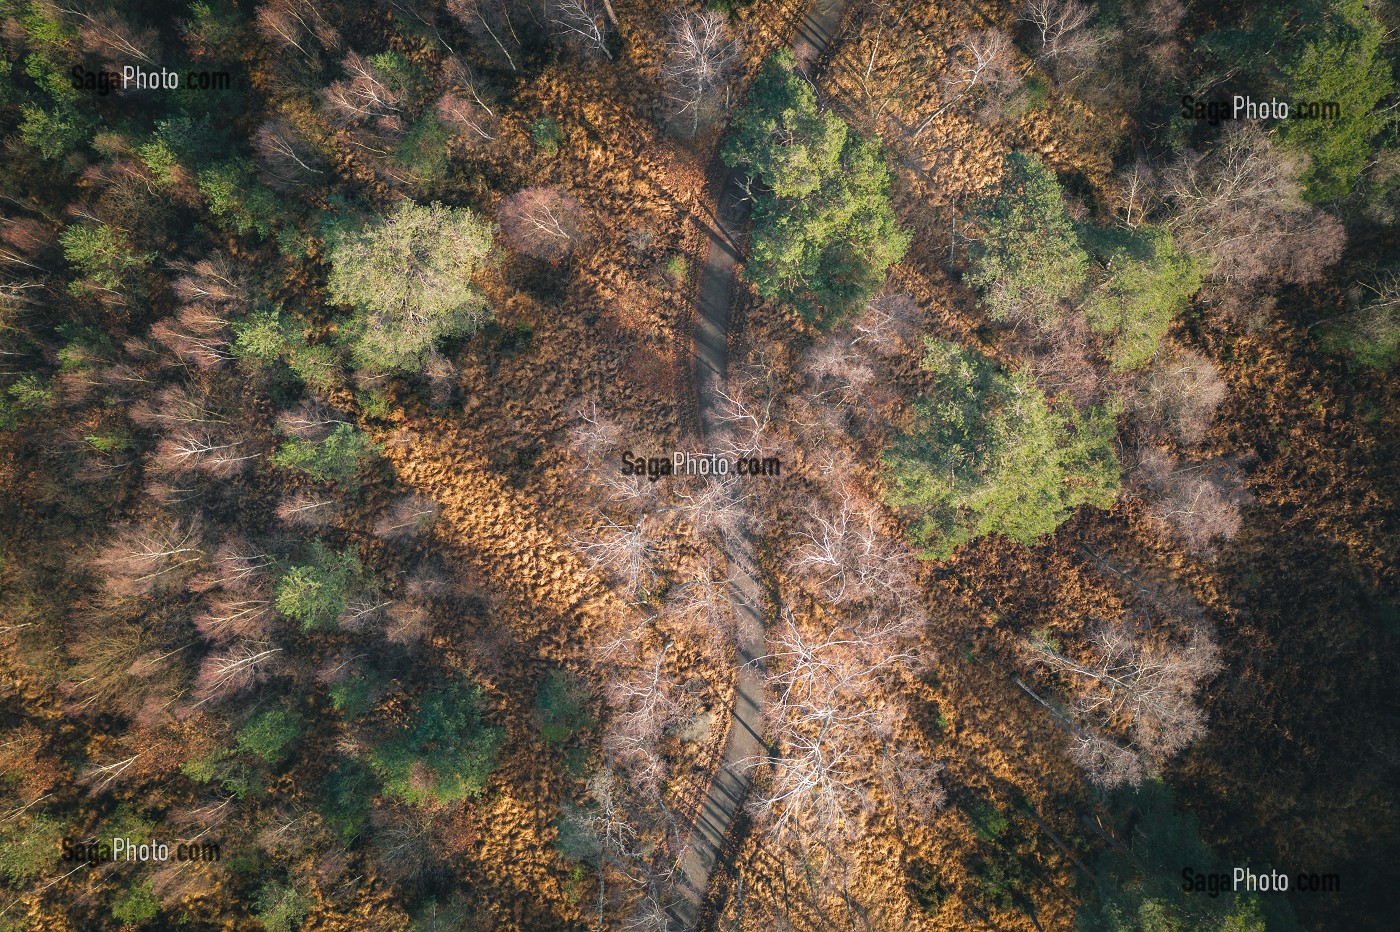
x,y
730,784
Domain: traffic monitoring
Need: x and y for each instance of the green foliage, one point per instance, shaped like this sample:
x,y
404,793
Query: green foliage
x,y
263,336
353,696
54,131
400,75
1026,258
1370,336
100,253
1341,62
409,278
161,160
424,151
987,453
989,822
1138,887
30,393
824,233
136,904
211,28
269,735
317,365
548,134
560,712
1148,284
280,907
346,792
445,753
29,847
340,458
236,197
315,593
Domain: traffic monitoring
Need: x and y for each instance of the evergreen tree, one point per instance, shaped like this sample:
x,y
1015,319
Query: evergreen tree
x,y
1148,283
988,453
444,753
316,593
1026,258
1341,63
409,278
340,458
823,231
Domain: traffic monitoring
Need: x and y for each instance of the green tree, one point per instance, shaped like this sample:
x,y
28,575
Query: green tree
x,y
101,254
136,904
560,712
280,907
409,278
29,847
444,753
346,792
315,593
269,735
1026,258
1138,884
1340,63
340,458
824,233
988,453
1148,283
236,197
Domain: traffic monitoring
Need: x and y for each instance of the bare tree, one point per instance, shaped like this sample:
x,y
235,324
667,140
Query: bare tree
x,y
592,434
287,159
699,59
1138,685
155,555
842,551
233,669
296,24
625,552
308,509
1200,504
822,727
1181,393
408,516
543,222
1240,205
887,325
578,23
490,19
980,65
1061,29
463,109
361,97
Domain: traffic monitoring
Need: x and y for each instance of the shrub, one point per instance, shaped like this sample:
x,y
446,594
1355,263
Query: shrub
x,y
136,904
409,278
559,709
988,453
547,133
340,458
280,907
269,735
444,753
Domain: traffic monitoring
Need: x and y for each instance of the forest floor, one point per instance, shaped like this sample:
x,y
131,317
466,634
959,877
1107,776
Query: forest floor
x,y
744,746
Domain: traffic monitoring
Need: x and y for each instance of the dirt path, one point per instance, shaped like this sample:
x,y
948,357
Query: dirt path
x,y
730,783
